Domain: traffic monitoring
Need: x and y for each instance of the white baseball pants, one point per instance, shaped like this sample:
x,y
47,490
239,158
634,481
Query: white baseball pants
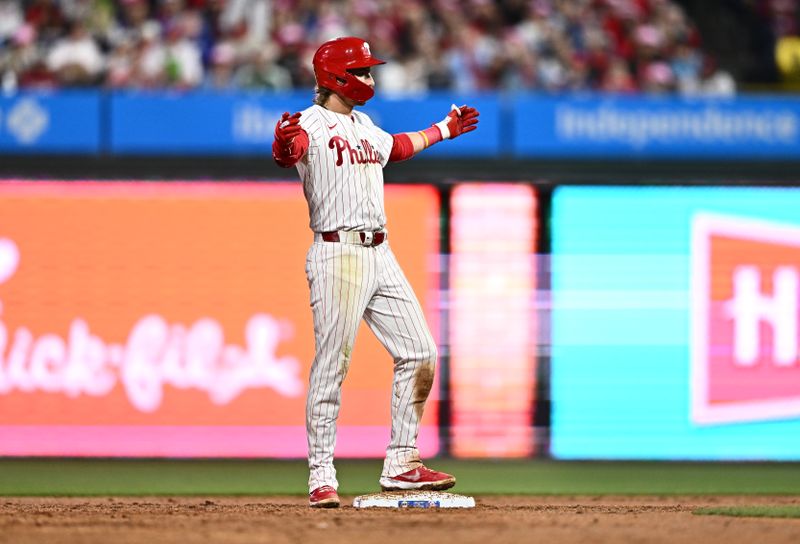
x,y
349,282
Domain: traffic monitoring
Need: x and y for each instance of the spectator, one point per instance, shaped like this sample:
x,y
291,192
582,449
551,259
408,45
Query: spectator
x,y
686,64
130,19
121,64
715,81
617,78
657,78
170,13
47,19
97,15
438,76
149,59
254,16
18,59
182,64
11,18
263,72
76,60
223,66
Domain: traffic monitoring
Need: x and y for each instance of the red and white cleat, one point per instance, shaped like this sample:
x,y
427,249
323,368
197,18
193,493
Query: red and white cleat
x,y
324,497
421,478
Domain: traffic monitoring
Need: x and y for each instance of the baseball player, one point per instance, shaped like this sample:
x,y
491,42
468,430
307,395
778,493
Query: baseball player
x,y
351,270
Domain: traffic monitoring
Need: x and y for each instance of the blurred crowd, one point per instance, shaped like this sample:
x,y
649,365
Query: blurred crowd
x,y
782,16
622,46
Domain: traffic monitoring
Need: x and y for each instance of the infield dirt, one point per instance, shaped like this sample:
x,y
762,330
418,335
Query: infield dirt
x,y
495,519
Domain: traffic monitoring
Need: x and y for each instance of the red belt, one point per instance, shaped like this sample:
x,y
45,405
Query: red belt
x,y
377,237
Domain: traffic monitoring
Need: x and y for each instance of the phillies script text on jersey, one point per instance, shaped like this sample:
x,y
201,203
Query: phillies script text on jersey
x,y
342,171
367,155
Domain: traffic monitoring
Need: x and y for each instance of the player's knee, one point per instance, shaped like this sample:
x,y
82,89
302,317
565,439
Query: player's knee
x,y
425,354
430,353
434,356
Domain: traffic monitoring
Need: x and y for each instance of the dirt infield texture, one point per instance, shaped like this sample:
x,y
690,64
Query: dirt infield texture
x,y
495,519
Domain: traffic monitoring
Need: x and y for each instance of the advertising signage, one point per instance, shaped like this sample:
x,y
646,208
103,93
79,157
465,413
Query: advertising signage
x,y
675,323
172,319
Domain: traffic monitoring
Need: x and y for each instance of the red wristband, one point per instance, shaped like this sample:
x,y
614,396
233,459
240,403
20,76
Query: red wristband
x,y
402,148
431,135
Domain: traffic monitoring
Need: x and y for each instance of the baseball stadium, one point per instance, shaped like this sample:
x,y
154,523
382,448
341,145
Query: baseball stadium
x,y
378,270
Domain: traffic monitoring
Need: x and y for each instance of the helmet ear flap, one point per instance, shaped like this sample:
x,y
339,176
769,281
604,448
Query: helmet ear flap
x,y
346,85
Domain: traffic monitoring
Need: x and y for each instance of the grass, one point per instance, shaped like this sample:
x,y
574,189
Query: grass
x,y
785,511
85,477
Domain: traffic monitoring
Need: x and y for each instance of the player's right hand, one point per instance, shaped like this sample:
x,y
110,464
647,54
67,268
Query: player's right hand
x,y
287,128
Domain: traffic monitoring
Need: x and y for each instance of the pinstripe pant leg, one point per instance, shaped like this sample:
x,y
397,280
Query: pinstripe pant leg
x,y
341,280
397,319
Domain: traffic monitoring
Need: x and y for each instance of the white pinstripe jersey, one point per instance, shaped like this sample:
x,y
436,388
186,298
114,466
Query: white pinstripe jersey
x,y
342,171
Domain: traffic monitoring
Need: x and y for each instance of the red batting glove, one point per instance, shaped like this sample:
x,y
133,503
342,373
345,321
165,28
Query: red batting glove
x,y
286,129
459,121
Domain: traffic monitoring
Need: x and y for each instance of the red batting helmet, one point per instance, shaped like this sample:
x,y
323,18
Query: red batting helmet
x,y
332,61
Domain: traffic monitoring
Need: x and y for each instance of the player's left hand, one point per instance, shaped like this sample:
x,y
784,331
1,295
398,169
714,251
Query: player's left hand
x,y
459,121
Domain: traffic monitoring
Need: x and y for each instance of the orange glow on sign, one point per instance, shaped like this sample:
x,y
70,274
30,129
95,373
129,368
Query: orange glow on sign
x,y
492,322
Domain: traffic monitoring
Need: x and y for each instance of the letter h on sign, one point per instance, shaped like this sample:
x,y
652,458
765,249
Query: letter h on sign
x,y
745,310
750,307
